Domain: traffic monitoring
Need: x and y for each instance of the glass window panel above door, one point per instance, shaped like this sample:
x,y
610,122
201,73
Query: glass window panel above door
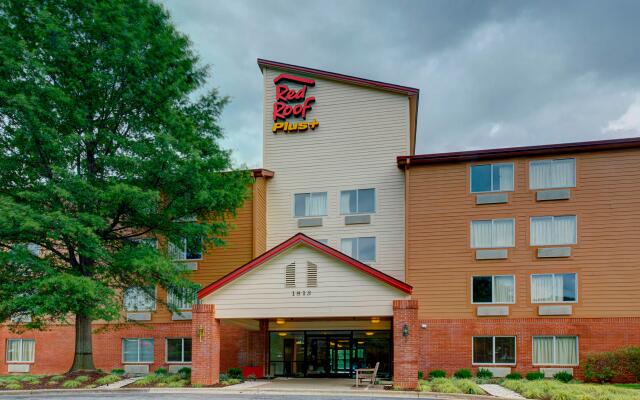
x,y
492,178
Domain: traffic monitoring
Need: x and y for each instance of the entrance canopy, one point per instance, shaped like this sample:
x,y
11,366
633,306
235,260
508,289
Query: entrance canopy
x,y
303,278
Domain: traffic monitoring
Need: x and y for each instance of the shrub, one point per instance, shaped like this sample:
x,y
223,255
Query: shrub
x,y
178,383
535,376
224,377
468,386
463,374
147,380
602,367
424,386
513,376
117,371
251,377
444,385
161,371
14,386
631,361
105,380
81,378
231,381
437,373
484,373
235,373
72,384
420,375
563,376
184,372
56,378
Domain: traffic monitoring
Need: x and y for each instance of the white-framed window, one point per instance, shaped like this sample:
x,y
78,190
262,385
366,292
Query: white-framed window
x,y
554,288
554,230
551,174
186,249
361,248
34,249
310,204
493,289
179,350
137,350
150,242
555,350
492,178
359,201
21,350
184,302
139,299
494,350
493,233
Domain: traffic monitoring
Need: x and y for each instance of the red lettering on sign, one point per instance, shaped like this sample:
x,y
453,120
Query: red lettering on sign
x,y
282,109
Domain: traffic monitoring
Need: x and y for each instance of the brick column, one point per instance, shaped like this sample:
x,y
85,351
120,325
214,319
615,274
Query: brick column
x,y
406,340
205,345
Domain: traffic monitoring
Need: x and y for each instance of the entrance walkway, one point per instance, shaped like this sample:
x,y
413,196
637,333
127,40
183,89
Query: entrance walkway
x,y
300,385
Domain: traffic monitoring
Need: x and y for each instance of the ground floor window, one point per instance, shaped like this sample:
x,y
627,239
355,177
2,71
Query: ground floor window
x,y
21,350
328,353
179,350
555,350
494,350
137,350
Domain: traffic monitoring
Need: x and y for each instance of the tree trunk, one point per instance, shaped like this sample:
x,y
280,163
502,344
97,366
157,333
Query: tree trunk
x,y
83,359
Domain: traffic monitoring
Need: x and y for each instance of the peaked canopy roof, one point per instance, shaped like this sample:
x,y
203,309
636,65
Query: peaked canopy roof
x,y
301,238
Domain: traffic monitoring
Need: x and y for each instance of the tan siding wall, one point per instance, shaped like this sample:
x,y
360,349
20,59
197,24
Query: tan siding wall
x,y
259,217
606,258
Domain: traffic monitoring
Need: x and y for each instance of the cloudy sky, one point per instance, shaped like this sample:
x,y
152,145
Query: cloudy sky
x,y
490,74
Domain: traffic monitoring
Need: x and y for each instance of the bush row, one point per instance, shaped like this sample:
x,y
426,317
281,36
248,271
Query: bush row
x,y
607,366
487,374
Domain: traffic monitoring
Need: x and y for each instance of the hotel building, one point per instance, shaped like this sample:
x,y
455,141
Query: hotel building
x,y
353,250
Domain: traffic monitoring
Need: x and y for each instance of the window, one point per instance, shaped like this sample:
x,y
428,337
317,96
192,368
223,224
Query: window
x,y
179,350
550,174
362,249
150,242
139,299
181,302
492,233
361,201
492,178
34,249
553,288
20,350
137,350
186,249
494,350
499,289
310,204
555,350
553,230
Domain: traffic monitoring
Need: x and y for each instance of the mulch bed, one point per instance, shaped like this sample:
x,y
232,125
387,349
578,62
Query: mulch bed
x,y
46,383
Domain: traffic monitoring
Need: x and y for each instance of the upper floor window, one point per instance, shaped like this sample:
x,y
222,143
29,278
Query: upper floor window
x,y
310,204
493,233
555,350
361,201
492,178
137,350
21,350
549,174
498,289
181,300
139,299
361,248
553,230
553,288
149,242
186,249
494,350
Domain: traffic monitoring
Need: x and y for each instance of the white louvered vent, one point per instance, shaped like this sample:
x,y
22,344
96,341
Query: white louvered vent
x,y
290,275
312,274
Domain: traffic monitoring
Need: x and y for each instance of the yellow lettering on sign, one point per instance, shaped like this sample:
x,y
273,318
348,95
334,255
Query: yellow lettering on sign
x,y
291,127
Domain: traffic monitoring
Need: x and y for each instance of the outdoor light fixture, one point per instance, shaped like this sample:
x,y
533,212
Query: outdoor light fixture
x,y
280,321
282,333
405,330
200,333
375,320
369,333
361,342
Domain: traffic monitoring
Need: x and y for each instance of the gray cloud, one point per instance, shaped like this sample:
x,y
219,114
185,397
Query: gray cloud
x,y
491,74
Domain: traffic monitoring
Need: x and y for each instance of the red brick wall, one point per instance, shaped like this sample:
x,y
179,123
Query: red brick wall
x,y
55,347
446,343
405,354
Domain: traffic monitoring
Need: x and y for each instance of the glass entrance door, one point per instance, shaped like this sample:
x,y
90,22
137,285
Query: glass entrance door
x,y
317,356
340,355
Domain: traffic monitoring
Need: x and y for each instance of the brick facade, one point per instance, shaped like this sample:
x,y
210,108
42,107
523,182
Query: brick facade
x,y
205,351
446,343
406,338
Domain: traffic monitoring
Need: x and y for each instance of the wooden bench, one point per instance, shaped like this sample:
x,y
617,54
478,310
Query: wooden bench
x,y
367,375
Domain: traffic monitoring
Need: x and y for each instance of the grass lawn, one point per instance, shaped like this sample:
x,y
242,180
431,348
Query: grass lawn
x,y
555,390
75,380
628,385
450,385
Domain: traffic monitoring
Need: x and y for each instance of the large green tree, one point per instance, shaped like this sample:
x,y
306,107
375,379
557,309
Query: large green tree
x,y
108,134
